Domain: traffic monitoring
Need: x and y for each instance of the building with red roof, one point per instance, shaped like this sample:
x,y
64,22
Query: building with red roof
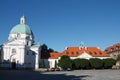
x,y
113,50
73,53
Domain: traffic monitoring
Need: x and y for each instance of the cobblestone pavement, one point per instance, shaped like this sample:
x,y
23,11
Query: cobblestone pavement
x,y
60,75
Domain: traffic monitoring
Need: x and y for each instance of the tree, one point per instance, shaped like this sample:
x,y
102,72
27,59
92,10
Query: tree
x,y
81,63
84,63
55,64
50,50
96,63
65,62
42,64
77,63
108,63
44,48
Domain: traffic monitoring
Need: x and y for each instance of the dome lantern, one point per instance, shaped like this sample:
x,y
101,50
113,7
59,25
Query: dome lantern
x,y
22,20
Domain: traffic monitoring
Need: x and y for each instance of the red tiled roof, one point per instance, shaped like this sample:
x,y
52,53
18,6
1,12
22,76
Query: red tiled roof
x,y
76,51
113,47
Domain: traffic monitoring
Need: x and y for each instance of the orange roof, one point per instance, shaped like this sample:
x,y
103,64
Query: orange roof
x,y
54,55
113,48
76,51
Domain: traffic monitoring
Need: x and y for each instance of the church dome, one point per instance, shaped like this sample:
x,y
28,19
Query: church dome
x,y
21,28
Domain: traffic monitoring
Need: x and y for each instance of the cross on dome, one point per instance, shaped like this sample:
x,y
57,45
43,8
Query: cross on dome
x,y
22,20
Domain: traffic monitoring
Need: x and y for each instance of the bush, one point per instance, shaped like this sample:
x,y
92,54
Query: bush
x,y
65,62
96,63
108,63
84,63
81,63
77,63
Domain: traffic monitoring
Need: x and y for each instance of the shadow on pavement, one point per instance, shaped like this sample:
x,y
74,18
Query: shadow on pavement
x,y
35,75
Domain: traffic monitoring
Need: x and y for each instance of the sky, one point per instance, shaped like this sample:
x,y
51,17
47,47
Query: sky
x,y
64,23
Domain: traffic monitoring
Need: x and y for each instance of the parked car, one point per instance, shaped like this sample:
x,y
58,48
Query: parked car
x,y
57,69
69,69
52,69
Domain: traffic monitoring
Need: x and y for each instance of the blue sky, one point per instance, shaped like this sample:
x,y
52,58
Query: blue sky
x,y
61,23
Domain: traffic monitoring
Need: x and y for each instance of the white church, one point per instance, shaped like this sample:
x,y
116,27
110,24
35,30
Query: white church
x,y
20,50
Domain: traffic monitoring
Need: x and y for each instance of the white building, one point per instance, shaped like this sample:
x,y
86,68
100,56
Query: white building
x,y
20,50
73,53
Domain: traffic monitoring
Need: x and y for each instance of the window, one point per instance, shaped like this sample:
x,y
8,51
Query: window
x,y
77,53
117,47
100,53
33,53
95,53
90,53
106,51
13,51
18,35
72,52
67,52
111,49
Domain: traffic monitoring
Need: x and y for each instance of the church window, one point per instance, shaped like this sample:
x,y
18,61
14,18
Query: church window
x,y
27,42
13,51
33,53
27,53
18,35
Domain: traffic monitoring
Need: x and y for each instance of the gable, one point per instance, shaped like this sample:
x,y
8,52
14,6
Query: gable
x,y
84,55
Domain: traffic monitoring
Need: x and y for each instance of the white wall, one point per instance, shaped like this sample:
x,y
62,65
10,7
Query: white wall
x,y
50,63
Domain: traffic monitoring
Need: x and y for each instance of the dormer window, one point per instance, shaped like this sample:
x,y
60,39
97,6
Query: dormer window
x,y
100,53
90,53
72,52
106,50
77,53
67,52
95,53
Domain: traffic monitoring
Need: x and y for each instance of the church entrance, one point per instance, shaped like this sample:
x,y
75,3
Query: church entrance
x,y
14,64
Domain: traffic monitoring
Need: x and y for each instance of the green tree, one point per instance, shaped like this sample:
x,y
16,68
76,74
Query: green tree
x,y
65,62
55,64
96,63
108,63
50,50
77,63
84,63
44,48
42,64
81,63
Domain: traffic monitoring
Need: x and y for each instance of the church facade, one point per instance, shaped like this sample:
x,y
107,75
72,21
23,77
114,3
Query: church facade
x,y
20,50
